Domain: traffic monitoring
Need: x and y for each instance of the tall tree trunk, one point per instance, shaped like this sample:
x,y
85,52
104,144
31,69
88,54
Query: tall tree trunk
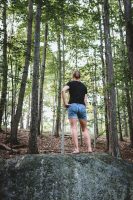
x,y
76,50
129,41
22,122
16,118
8,109
63,81
14,86
54,102
125,122
35,82
12,91
119,116
104,83
58,115
130,117
28,113
95,104
5,65
117,97
114,147
40,110
5,123
129,32
95,97
126,80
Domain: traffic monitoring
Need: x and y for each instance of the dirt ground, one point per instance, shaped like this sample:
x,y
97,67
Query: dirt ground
x,y
51,145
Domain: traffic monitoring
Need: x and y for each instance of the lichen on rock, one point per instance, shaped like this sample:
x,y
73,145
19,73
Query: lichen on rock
x,y
66,177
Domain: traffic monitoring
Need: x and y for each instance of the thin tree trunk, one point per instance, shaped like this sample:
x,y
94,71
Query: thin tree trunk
x,y
22,122
63,81
95,98
16,119
5,124
95,106
119,117
35,82
54,112
58,115
128,103
129,42
16,75
95,125
76,51
5,65
40,110
12,91
104,83
114,146
126,81
54,104
8,110
117,99
125,122
28,113
129,32
14,88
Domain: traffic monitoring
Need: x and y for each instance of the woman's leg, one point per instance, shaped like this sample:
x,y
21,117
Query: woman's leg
x,y
73,124
86,134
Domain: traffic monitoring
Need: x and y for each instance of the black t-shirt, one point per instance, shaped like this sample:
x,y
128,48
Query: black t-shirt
x,y
77,91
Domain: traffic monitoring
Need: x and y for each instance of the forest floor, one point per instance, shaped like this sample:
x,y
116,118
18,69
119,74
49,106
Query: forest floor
x,y
49,144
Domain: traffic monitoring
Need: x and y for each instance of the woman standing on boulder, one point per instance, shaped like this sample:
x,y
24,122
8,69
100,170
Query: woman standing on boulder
x,y
77,109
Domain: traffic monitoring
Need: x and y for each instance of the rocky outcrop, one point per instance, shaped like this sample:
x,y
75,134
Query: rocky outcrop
x,y
66,177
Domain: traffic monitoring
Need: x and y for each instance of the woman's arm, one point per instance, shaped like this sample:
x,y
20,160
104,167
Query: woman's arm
x,y
85,99
63,93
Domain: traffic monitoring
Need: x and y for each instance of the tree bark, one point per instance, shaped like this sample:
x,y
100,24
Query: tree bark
x,y
125,122
129,32
12,90
63,82
129,42
5,65
127,79
17,116
95,104
114,147
35,82
54,103
130,117
22,122
58,115
95,99
104,83
119,117
40,110
28,113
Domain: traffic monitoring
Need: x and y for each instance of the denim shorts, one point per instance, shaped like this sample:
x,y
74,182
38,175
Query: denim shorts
x,y
76,110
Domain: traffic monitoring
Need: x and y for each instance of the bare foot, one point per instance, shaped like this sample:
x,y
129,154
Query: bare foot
x,y
90,151
75,151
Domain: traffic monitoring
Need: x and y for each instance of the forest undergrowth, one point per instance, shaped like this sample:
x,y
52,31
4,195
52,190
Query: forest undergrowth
x,y
48,144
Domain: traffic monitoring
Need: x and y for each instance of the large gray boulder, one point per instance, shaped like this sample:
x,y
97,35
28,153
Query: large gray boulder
x,y
66,177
